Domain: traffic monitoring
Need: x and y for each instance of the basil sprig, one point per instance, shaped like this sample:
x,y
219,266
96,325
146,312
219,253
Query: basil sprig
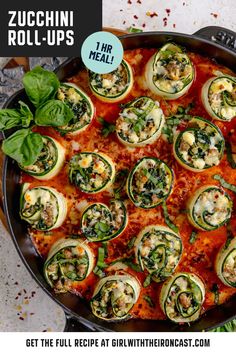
x,y
53,113
40,85
21,117
24,146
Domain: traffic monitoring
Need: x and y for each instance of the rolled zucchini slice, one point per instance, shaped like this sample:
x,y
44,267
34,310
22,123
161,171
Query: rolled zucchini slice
x,y
114,86
226,264
68,260
169,72
114,296
158,251
209,208
101,223
140,122
200,146
149,183
182,296
49,162
44,208
91,172
219,97
80,104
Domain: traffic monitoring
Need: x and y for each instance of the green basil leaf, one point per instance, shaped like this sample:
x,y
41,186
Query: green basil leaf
x,y
10,118
167,218
225,184
40,85
23,146
53,113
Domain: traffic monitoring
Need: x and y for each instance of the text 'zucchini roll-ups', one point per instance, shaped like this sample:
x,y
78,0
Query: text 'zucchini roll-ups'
x,y
209,208
101,223
80,104
200,146
114,296
158,250
68,260
91,172
140,122
219,97
149,182
114,86
182,296
49,162
169,72
226,264
43,207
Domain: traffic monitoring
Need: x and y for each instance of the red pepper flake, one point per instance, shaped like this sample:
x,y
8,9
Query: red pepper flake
x,y
174,25
139,2
168,12
121,10
18,265
129,2
183,3
151,14
124,22
165,21
24,291
21,318
31,313
144,25
214,15
136,17
16,283
17,297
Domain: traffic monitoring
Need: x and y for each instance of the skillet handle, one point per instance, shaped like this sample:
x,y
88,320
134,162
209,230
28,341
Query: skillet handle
x,y
220,35
74,325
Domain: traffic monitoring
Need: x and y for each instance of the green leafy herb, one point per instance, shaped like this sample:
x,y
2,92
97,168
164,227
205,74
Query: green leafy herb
x,y
215,290
193,237
224,183
134,30
53,113
119,183
108,128
21,117
174,120
40,85
230,157
148,299
167,218
147,281
24,146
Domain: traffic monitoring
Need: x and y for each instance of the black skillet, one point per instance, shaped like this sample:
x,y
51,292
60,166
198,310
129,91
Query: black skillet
x,y
213,42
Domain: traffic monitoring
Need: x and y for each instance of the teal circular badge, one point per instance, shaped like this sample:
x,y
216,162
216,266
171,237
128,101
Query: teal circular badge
x,y
102,52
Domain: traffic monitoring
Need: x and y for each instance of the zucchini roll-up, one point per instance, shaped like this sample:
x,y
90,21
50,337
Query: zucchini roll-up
x,y
68,260
101,223
149,183
182,296
43,207
158,250
200,146
226,264
91,172
209,208
49,162
80,104
114,86
219,97
140,122
114,296
169,72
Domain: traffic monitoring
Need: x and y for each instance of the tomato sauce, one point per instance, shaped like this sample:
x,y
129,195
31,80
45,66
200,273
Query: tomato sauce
x,y
198,257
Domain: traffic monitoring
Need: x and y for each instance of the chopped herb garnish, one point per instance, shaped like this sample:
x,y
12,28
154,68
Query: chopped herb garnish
x,y
215,290
147,281
167,219
224,183
193,237
108,128
131,242
134,30
230,156
148,299
98,270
